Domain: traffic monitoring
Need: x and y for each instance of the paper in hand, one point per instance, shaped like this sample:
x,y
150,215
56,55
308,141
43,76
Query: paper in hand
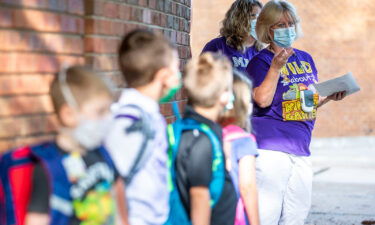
x,y
344,83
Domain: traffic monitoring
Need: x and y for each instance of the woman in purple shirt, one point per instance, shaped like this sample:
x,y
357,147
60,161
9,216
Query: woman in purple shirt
x,y
237,36
284,116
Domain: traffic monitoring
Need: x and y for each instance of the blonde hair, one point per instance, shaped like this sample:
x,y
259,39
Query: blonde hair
x,y
239,115
236,24
206,78
84,84
271,14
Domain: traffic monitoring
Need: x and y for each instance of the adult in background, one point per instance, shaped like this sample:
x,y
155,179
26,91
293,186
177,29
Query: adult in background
x,y
237,36
284,116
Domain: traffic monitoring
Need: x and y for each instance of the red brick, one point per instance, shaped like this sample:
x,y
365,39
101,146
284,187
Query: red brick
x,y
73,6
179,38
142,3
125,12
136,15
101,45
34,63
29,125
32,41
106,27
155,18
166,109
170,119
152,4
181,95
20,105
45,21
110,10
174,8
25,84
184,52
103,62
71,24
93,7
163,20
6,145
76,6
5,17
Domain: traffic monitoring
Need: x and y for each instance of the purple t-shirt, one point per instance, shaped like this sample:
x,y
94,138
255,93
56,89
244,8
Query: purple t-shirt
x,y
239,59
287,124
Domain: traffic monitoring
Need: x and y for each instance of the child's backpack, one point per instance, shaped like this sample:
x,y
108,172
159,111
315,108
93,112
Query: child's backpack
x,y
178,214
16,171
231,133
142,123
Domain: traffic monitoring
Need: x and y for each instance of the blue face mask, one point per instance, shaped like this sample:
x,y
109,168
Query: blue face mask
x,y
284,37
253,24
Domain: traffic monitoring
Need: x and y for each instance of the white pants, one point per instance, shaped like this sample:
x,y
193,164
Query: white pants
x,y
284,184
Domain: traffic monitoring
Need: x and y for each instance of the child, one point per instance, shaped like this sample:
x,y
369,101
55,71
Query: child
x,y
241,149
73,176
208,84
137,140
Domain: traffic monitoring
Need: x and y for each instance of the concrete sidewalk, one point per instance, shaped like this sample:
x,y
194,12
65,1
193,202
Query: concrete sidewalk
x,y
344,181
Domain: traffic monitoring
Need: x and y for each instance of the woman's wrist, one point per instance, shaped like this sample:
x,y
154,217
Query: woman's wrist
x,y
274,70
322,101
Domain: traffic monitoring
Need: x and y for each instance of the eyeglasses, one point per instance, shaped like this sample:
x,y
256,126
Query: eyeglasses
x,y
284,25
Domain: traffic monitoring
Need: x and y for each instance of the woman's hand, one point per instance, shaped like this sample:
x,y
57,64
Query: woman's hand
x,y
338,96
281,58
264,94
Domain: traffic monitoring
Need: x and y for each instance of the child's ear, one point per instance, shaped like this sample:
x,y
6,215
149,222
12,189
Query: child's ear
x,y
162,75
68,116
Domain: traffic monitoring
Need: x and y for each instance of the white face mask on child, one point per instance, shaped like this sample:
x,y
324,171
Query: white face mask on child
x,y
89,133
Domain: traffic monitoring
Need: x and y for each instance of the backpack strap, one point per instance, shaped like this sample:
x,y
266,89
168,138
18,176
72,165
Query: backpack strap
x,y
139,123
2,202
16,168
107,158
232,132
218,164
60,199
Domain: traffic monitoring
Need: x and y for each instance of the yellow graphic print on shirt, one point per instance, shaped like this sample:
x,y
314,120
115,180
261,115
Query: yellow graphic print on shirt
x,y
93,203
97,207
300,103
303,69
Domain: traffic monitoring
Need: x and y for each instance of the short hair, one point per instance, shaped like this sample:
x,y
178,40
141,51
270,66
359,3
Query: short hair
x,y
236,24
239,115
83,83
271,14
141,54
206,78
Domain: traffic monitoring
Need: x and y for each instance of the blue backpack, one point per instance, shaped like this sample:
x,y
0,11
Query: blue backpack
x,y
16,168
178,214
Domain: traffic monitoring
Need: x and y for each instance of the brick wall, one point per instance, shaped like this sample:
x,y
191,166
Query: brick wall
x,y
339,35
36,36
